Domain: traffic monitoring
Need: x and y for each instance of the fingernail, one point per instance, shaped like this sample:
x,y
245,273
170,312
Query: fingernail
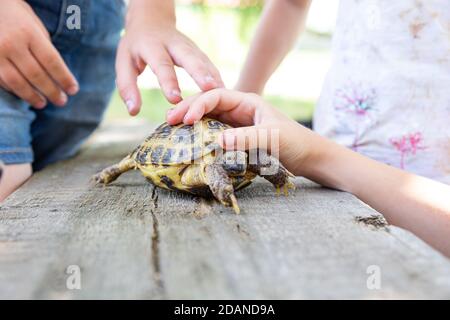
x,y
170,111
73,89
62,98
209,79
175,93
41,104
130,105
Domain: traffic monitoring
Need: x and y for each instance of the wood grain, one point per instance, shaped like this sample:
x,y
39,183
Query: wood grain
x,y
132,240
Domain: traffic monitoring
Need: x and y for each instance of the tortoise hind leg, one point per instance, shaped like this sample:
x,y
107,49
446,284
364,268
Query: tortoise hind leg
x,y
272,170
111,173
221,185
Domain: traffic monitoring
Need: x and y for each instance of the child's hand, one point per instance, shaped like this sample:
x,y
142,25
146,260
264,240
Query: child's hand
x,y
258,124
30,66
152,39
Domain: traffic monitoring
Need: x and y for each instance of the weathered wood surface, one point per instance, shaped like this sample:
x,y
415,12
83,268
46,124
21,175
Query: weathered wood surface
x,y
134,241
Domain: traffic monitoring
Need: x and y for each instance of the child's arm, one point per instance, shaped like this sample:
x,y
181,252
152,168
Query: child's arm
x,y
278,30
415,203
151,38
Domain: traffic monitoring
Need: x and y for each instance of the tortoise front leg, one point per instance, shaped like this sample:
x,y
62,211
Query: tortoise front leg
x,y
111,173
221,185
270,169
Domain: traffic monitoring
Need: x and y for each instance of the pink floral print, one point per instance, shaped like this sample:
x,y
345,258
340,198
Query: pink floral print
x,y
357,102
406,145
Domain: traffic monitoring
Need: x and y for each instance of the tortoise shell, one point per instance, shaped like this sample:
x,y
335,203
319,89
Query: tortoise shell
x,y
171,145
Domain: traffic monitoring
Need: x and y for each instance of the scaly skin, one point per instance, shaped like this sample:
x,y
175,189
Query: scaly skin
x,y
111,173
221,186
280,180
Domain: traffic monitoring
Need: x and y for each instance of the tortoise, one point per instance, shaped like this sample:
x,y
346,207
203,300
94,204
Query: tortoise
x,y
188,158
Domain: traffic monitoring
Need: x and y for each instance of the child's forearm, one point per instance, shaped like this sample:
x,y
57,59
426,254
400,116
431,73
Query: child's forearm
x,y
417,204
277,32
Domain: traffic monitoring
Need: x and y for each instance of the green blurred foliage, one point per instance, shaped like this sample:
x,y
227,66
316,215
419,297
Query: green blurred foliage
x,y
208,18
248,12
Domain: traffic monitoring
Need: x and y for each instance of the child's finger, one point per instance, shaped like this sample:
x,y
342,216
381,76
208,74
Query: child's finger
x,y
162,66
20,86
252,137
196,66
39,78
219,100
239,138
4,85
54,65
176,114
126,81
213,71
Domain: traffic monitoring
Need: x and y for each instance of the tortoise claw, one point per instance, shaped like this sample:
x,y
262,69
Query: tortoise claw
x,y
95,180
234,204
288,185
99,179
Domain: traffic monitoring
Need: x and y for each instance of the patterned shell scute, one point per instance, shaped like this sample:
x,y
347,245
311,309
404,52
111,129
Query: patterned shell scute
x,y
182,143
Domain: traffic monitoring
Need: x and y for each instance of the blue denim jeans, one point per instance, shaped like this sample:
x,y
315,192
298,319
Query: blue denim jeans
x,y
45,136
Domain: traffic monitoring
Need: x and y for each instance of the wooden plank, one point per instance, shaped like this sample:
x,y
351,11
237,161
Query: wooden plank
x,y
132,240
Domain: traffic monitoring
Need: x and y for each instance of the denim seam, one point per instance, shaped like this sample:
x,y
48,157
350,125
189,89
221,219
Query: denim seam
x,y
15,150
61,20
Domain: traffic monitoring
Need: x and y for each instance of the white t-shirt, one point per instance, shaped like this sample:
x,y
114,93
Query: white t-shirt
x,y
387,94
